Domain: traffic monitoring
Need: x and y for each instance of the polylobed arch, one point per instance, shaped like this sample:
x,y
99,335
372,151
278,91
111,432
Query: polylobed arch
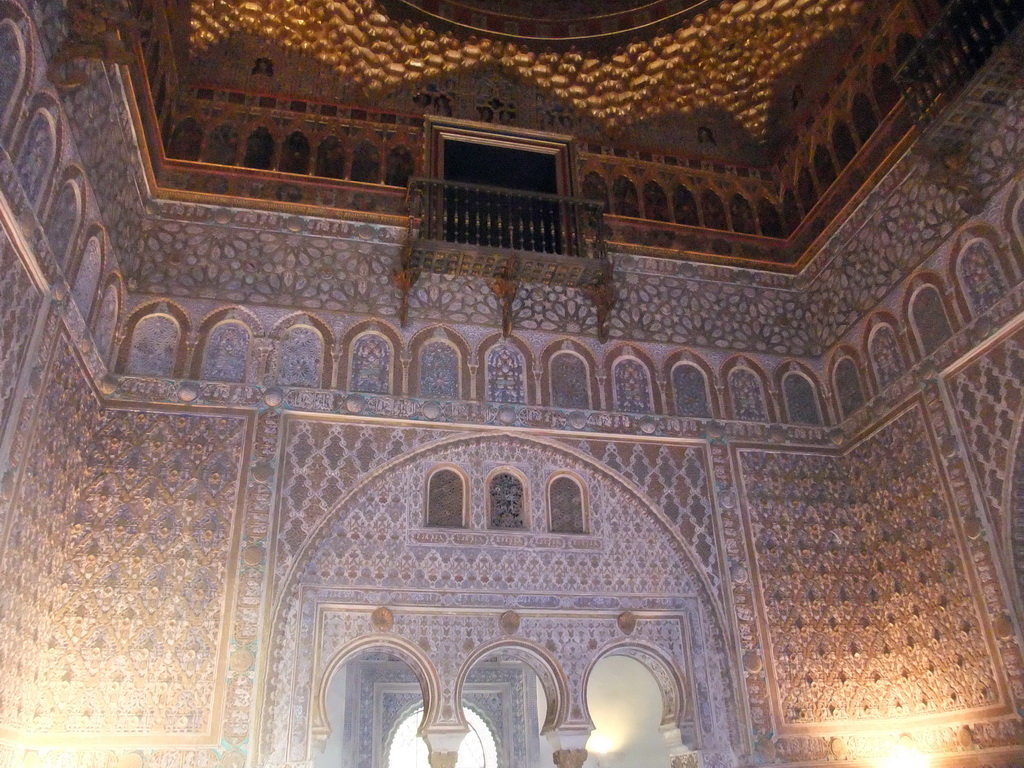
x,y
543,664
663,669
279,702
410,653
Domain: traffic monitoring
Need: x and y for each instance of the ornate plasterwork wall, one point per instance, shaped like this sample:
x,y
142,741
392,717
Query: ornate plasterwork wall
x,y
351,532
988,399
259,555
865,594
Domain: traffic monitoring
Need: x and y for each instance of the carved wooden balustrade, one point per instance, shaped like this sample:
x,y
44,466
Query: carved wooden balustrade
x,y
508,237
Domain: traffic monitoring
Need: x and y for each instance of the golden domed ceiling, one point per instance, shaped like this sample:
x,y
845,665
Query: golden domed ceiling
x,y
612,65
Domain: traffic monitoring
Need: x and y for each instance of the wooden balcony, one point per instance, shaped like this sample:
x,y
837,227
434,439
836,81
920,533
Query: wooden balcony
x,y
508,237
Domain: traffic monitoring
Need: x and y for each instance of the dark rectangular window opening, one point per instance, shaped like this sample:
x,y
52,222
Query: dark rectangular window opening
x,y
483,214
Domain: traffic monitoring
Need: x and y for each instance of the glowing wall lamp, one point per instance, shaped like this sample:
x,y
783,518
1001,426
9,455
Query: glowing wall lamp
x,y
599,745
905,755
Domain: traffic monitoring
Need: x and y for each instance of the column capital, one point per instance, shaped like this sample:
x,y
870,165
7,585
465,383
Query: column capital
x,y
570,758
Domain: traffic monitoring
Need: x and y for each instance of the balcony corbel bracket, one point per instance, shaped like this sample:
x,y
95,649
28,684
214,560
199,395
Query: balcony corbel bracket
x,y
98,30
602,294
506,286
405,278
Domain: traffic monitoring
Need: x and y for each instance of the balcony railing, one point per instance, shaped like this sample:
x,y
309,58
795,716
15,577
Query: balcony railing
x,y
474,229
509,237
954,50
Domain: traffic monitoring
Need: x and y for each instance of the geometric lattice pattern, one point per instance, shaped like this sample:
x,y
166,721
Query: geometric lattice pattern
x,y
989,399
865,593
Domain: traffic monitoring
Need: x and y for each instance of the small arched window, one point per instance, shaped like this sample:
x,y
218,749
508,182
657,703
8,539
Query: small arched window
x,y
88,277
885,355
824,168
768,218
506,374
714,210
842,144
439,370
371,365
446,499
398,168
154,346
12,62
690,389
506,501
742,214
570,381
747,395
302,355
801,400
848,387
366,163
227,353
883,85
63,220
632,386
864,119
186,140
981,278
805,187
565,505
929,318
790,211
595,188
35,160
